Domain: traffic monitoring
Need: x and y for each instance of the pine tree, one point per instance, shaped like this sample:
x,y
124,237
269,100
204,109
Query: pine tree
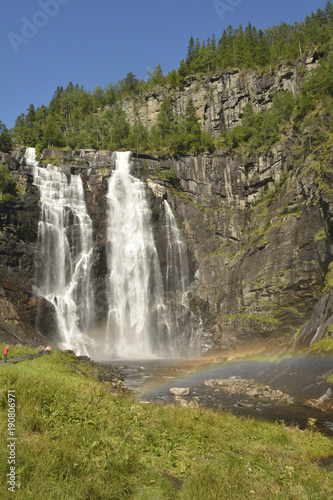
x,y
6,142
130,83
191,120
181,73
190,53
225,49
19,128
98,98
329,12
171,79
239,47
53,136
211,54
120,129
30,116
38,128
250,45
156,77
166,119
263,54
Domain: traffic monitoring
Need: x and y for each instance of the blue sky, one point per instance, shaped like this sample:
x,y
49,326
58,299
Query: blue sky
x,y
46,43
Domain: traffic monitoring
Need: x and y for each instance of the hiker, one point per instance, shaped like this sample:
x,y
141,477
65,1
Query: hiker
x,y
47,350
5,352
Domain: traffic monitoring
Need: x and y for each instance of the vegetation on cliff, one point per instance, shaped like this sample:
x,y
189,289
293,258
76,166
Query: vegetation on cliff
x,y
8,186
78,119
252,48
6,142
75,439
308,114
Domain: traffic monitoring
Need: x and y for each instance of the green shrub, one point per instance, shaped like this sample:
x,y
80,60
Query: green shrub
x,y
8,186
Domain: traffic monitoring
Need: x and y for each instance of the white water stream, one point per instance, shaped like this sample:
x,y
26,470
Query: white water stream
x,y
177,275
138,323
64,259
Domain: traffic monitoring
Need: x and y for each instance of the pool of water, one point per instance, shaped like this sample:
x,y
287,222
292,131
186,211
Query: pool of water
x,y
302,377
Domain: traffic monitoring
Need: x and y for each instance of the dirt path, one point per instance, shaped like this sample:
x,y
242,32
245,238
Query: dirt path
x,y
23,358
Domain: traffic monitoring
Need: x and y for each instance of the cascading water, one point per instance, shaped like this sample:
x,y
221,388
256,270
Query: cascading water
x,y
177,273
186,328
30,157
145,318
65,247
138,324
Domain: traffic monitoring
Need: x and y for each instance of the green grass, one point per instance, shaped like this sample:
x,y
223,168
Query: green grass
x,y
75,440
16,351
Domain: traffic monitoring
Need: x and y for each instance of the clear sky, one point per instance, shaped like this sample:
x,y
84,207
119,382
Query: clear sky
x,y
48,43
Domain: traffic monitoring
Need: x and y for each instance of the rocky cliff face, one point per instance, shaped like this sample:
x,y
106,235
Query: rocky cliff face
x,y
260,238
219,99
259,235
18,235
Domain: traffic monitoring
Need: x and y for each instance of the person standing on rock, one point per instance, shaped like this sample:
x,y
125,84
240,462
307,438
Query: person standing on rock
x,y
48,350
5,352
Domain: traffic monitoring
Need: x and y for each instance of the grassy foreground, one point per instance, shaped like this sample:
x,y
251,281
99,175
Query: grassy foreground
x,y
75,440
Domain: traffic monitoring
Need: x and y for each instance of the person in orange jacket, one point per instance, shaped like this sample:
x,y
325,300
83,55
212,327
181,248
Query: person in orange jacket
x,y
5,352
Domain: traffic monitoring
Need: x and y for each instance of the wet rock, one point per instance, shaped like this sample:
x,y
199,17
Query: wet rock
x,y
84,358
319,324
249,388
325,402
180,391
243,404
184,403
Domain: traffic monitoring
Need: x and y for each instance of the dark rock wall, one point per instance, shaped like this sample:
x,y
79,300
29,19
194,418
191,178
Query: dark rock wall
x,y
18,236
260,239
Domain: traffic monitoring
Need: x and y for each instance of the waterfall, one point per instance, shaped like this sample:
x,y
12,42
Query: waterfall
x,y
187,328
30,157
148,314
138,324
64,259
177,274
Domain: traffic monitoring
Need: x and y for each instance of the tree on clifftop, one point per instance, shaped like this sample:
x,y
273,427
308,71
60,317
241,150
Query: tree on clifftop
x,y
6,143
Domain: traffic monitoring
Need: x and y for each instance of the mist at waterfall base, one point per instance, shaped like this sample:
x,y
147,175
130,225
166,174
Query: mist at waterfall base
x,y
148,315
